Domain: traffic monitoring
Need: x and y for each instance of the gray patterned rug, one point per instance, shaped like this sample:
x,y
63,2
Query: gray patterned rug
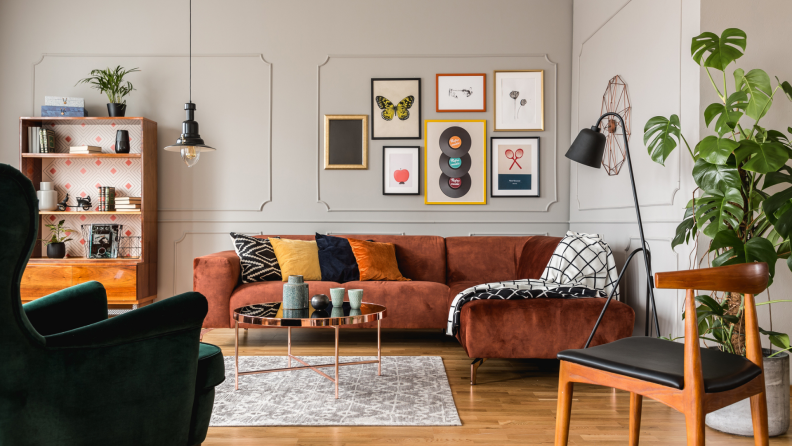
x,y
412,391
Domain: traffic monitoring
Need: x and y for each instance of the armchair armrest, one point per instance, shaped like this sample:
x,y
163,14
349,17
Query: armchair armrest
x,y
215,276
67,309
173,315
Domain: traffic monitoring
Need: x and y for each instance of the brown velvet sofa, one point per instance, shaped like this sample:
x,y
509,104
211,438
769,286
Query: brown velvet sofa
x,y
440,268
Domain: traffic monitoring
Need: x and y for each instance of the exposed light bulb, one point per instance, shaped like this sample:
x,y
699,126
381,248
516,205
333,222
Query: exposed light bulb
x,y
190,155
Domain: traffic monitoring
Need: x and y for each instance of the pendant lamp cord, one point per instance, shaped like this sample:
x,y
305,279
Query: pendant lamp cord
x,y
190,50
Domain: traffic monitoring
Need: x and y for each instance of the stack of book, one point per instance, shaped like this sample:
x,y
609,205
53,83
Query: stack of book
x,y
85,149
40,140
127,203
106,199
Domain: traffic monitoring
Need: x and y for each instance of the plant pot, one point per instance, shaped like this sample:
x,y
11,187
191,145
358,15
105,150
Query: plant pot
x,y
56,250
116,110
736,419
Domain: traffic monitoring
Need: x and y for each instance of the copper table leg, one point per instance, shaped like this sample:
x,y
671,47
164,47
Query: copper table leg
x,y
379,349
236,355
336,361
289,345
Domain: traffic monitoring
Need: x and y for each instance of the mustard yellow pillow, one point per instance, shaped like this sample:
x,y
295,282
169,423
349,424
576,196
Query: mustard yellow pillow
x,y
297,257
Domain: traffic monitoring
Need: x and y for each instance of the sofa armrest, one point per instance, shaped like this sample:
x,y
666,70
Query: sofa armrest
x,y
67,309
215,276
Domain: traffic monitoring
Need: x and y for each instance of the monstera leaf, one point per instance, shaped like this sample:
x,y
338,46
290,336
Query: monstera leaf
x,y
719,211
722,50
773,178
778,205
661,132
762,157
717,150
756,83
728,114
715,177
757,249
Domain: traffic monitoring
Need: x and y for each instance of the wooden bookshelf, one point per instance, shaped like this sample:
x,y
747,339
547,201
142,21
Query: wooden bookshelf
x,y
130,282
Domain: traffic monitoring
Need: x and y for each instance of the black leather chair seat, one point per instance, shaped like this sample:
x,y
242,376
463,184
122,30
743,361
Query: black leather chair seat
x,y
662,362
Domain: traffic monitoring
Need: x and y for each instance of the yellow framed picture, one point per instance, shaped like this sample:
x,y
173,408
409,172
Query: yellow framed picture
x,y
345,142
455,161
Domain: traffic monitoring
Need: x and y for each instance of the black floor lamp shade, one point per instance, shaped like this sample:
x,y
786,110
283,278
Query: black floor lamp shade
x,y
588,148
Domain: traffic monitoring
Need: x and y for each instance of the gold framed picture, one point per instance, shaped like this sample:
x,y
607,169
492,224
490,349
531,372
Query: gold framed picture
x,y
346,142
455,161
519,100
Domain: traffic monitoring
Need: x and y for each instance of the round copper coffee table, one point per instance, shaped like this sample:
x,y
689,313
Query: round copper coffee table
x,y
271,314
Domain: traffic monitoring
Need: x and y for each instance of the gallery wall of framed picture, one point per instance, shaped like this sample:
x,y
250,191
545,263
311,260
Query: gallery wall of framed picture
x,y
346,142
519,100
455,161
460,92
396,108
514,166
401,170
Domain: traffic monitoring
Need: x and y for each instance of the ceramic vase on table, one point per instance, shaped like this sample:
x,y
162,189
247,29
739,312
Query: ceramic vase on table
x,y
122,141
295,294
47,197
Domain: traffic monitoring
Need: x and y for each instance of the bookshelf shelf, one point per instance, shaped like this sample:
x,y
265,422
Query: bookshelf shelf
x,y
128,282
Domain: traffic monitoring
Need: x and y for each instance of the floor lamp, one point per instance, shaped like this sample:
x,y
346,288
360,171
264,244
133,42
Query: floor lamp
x,y
588,149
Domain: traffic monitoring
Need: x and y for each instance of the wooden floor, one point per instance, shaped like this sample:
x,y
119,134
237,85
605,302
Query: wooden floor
x,y
514,402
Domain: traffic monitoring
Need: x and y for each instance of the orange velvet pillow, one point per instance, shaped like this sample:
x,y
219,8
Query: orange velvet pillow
x,y
376,261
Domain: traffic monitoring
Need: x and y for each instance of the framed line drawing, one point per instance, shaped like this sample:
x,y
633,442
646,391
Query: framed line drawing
x,y
396,108
346,142
401,170
455,161
461,92
514,165
519,100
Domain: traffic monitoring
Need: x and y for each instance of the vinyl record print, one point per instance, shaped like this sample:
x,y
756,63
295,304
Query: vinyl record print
x,y
455,167
455,187
455,162
455,142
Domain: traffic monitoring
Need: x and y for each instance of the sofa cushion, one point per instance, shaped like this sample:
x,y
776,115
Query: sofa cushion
x,y
413,304
260,292
211,369
455,288
483,259
376,261
535,256
297,258
256,257
336,259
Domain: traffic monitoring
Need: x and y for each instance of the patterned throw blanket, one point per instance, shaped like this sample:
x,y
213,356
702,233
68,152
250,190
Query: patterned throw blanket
x,y
582,265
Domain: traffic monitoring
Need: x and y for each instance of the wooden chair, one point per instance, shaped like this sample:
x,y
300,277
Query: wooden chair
x,y
686,377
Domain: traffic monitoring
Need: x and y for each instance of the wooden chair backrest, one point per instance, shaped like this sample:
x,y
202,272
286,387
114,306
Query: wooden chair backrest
x,y
748,279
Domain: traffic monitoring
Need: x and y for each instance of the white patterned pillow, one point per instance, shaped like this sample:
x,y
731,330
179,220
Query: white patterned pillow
x,y
257,258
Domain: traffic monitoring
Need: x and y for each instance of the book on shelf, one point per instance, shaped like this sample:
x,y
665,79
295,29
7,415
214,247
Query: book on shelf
x,y
127,200
127,207
46,141
85,149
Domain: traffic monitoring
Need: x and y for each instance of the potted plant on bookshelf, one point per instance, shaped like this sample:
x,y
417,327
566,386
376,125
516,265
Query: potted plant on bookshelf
x,y
743,203
111,82
56,242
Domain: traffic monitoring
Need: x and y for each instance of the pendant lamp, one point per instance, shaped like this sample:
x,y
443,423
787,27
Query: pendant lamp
x,y
190,143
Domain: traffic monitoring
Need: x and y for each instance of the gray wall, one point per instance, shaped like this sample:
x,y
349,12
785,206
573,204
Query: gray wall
x,y
263,74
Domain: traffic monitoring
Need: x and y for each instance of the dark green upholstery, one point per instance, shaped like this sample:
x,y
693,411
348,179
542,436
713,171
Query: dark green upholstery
x,y
70,376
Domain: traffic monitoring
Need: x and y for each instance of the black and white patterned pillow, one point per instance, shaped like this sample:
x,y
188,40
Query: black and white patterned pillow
x,y
257,258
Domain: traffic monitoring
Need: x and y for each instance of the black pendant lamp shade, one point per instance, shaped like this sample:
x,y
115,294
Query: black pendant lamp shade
x,y
588,148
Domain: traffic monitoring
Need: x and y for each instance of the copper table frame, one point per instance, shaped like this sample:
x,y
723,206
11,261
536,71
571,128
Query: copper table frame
x,y
335,322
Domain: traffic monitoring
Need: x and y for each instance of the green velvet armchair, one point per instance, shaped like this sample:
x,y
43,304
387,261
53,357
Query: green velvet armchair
x,y
71,376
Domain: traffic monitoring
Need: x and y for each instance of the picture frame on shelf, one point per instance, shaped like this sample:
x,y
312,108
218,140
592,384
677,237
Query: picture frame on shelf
x,y
519,100
455,161
514,166
345,142
401,170
396,108
461,92
103,241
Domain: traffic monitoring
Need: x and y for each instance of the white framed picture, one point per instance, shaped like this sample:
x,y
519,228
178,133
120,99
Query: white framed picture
x,y
515,166
461,93
519,101
401,170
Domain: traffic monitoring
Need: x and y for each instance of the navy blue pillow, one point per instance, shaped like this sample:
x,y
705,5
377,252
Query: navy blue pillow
x,y
336,259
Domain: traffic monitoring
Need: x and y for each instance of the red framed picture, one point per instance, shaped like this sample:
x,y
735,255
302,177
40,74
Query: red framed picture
x,y
461,92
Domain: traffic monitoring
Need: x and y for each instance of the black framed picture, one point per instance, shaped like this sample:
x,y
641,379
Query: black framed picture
x,y
396,108
401,170
514,166
104,241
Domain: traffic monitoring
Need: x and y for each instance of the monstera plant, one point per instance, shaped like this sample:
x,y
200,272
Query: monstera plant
x,y
743,202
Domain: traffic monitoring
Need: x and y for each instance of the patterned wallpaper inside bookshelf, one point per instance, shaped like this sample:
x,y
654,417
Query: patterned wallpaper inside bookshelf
x,y
94,133
76,248
82,176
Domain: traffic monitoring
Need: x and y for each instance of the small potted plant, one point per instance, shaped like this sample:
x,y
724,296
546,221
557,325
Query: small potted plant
x,y
111,82
56,242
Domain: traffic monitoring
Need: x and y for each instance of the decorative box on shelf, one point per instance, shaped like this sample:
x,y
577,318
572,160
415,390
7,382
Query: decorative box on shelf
x,y
131,278
61,110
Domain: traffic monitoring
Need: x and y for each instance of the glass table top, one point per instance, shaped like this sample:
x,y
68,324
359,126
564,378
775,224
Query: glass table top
x,y
272,313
